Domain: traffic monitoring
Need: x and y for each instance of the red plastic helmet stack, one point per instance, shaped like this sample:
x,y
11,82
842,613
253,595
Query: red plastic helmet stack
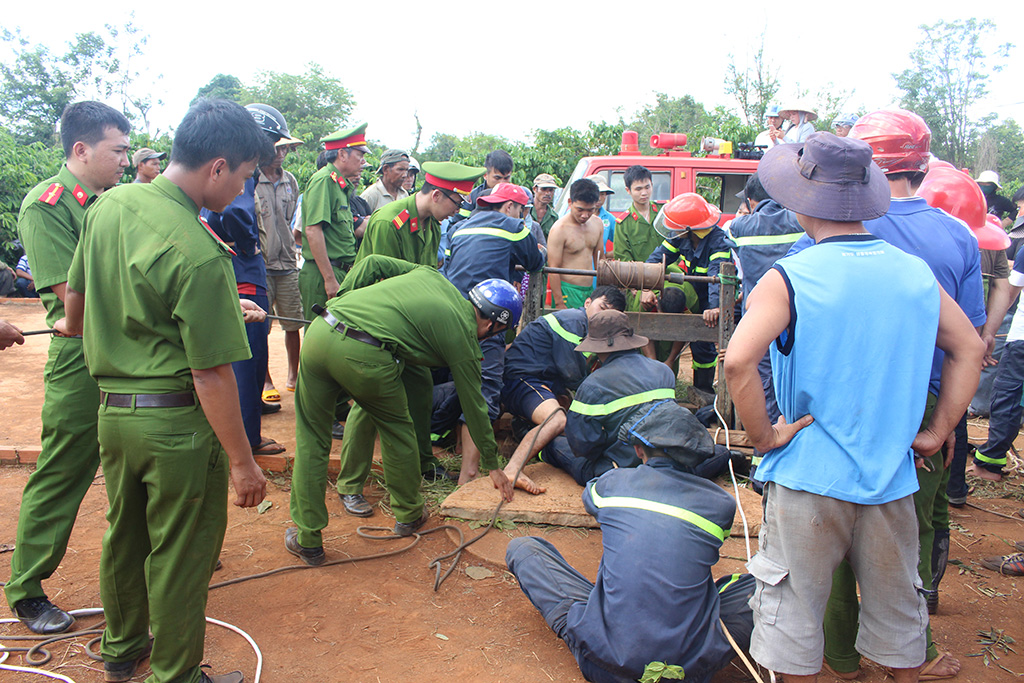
x,y
899,139
690,210
957,194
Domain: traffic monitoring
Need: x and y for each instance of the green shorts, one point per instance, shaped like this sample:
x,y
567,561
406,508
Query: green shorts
x,y
575,296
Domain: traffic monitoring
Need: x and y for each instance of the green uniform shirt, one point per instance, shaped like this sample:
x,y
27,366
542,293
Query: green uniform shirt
x,y
396,230
424,320
49,225
326,200
159,289
550,218
635,237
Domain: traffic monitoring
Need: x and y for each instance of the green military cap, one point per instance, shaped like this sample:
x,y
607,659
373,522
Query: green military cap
x,y
452,176
349,138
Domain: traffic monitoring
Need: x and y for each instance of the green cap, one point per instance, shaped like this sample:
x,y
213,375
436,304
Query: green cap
x,y
349,138
452,176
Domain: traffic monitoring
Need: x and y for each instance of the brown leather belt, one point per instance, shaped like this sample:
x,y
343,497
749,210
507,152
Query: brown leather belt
x,y
347,331
147,400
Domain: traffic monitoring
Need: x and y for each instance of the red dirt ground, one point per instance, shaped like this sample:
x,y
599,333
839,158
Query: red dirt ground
x,y
381,621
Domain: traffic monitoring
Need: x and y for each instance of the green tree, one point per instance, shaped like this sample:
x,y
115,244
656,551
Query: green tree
x,y
754,87
313,103
950,74
1001,148
38,83
667,115
22,167
221,86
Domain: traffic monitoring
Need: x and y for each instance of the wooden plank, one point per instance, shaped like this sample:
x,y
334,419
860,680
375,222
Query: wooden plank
x,y
667,326
726,325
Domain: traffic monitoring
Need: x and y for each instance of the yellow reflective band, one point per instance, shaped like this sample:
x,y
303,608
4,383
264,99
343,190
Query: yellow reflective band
x,y
660,508
992,461
668,245
557,328
700,269
732,579
705,365
755,460
465,213
719,255
620,403
494,232
758,240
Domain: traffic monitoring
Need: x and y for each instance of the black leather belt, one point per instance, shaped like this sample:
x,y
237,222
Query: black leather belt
x,y
345,330
147,400
338,263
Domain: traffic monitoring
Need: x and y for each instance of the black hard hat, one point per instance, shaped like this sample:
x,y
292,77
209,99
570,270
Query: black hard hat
x,y
270,120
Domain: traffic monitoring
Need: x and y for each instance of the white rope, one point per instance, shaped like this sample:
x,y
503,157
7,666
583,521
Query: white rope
x,y
732,474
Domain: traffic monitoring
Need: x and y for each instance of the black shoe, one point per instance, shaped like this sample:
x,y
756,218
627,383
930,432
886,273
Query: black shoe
x,y
42,616
409,528
314,557
118,672
356,504
439,473
271,408
338,430
230,677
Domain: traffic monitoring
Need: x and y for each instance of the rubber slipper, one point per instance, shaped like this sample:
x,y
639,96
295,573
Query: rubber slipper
x,y
271,395
290,388
268,447
845,676
928,666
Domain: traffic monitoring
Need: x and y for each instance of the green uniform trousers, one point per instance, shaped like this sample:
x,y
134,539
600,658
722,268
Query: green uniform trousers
x,y
64,472
167,483
311,291
330,364
842,611
357,448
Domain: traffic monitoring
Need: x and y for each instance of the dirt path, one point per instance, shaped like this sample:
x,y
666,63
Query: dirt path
x,y
381,621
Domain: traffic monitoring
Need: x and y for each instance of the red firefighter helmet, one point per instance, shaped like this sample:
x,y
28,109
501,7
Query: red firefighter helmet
x,y
899,139
690,210
955,193
992,236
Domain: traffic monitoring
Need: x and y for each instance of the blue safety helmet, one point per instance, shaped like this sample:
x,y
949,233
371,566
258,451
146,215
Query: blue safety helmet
x,y
772,110
497,300
845,120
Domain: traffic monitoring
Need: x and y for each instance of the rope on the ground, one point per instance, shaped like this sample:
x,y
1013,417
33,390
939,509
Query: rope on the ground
x,y
738,650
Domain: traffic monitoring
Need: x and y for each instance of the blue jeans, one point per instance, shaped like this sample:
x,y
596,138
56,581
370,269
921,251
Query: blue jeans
x,y
1004,421
250,374
981,404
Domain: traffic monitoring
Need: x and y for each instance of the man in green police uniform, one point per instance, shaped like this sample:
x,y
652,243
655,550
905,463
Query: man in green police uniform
x,y
328,244
408,229
153,289
635,236
389,313
95,140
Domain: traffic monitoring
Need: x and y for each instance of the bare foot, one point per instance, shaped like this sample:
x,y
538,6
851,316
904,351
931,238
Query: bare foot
x,y
466,476
943,666
527,484
982,473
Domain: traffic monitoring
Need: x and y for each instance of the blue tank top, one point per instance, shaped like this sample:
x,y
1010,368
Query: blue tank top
x,y
856,356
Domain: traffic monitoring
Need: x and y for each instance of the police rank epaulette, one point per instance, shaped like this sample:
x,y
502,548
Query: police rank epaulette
x,y
52,194
222,243
338,179
403,218
80,195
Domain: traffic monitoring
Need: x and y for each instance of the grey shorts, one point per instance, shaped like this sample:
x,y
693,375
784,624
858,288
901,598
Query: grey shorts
x,y
283,293
803,539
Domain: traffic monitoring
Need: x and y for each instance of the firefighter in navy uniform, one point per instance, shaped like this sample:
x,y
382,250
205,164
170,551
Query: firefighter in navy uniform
x,y
696,240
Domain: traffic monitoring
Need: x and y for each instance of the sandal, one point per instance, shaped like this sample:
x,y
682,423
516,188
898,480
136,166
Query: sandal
x,y
268,447
271,395
844,676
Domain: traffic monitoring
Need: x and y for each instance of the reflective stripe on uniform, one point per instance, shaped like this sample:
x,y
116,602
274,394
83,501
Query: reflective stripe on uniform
x,y
620,403
978,455
668,245
755,460
718,255
661,508
732,579
465,213
494,232
706,365
557,328
758,240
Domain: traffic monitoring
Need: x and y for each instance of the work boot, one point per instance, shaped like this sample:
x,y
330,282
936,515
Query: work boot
x,y
940,556
231,677
314,557
704,379
42,616
439,473
409,528
118,672
356,504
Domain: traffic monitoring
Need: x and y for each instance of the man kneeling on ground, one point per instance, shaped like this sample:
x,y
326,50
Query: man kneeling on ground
x,y
655,598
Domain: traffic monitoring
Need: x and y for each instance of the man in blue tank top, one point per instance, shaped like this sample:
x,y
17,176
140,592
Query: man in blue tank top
x,y
852,323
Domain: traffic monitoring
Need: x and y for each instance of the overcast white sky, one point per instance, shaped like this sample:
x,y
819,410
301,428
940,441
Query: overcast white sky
x,y
510,68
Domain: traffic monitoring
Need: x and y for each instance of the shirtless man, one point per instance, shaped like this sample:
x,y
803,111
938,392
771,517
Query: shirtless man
x,y
575,242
